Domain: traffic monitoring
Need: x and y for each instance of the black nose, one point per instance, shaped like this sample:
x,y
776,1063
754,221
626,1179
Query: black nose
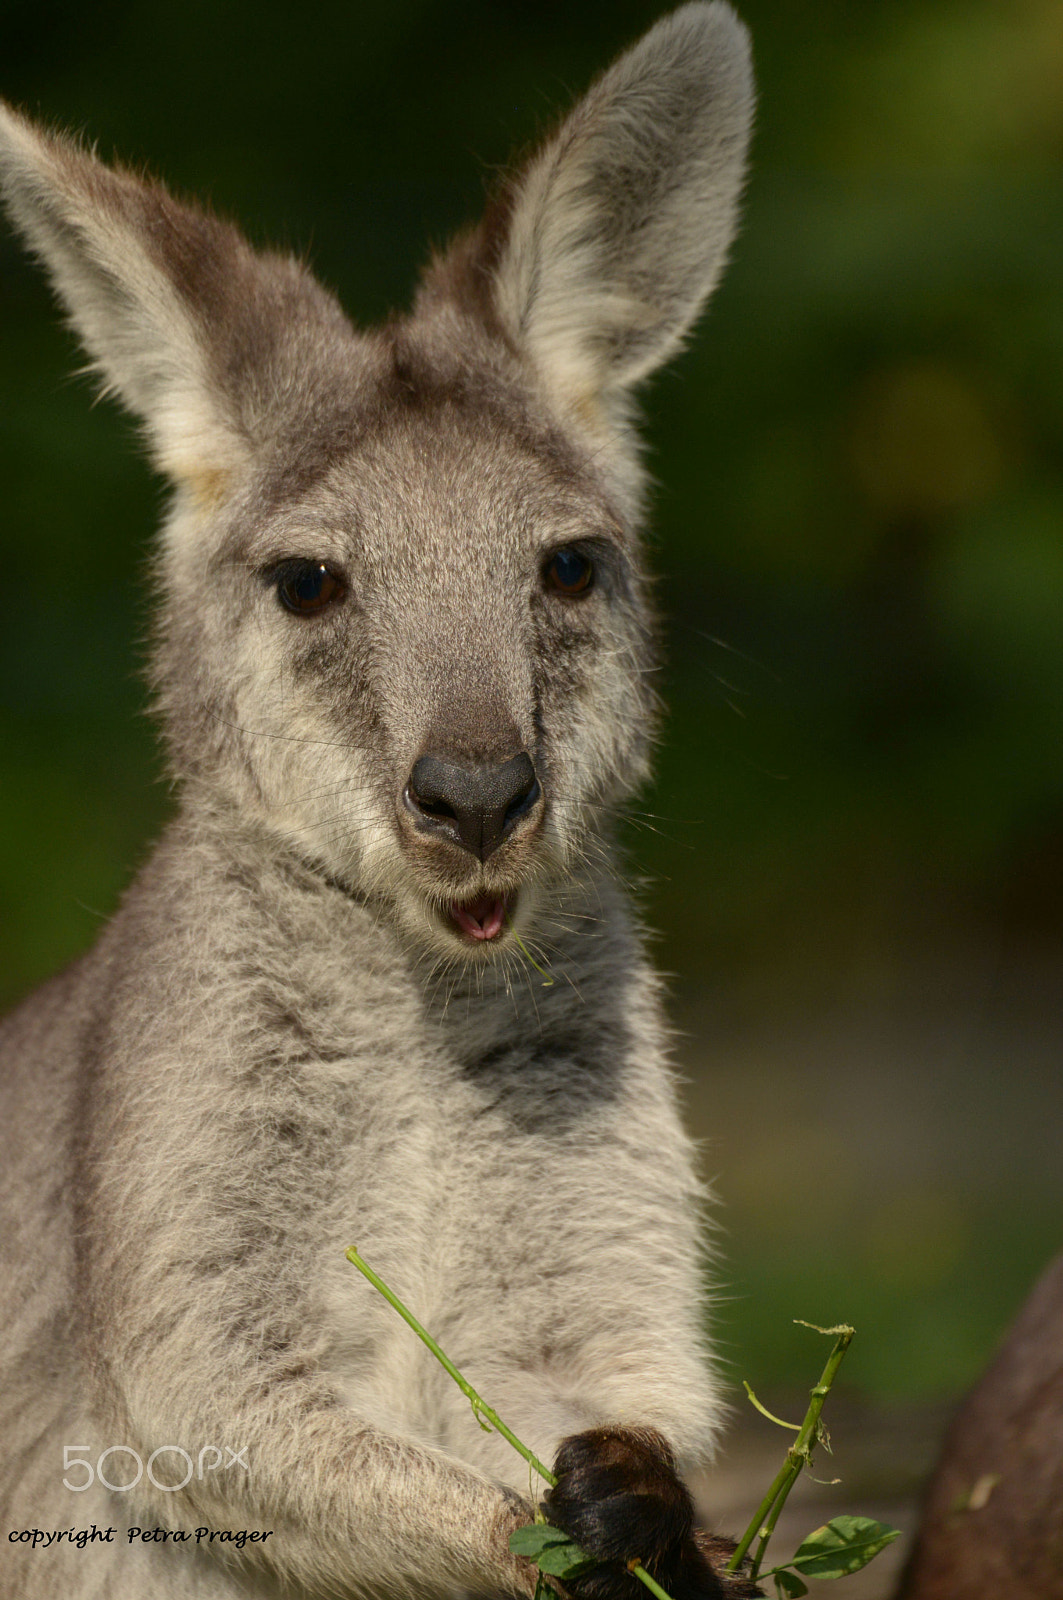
x,y
476,807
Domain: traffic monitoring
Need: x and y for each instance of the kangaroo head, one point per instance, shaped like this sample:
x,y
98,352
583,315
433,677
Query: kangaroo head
x,y
403,621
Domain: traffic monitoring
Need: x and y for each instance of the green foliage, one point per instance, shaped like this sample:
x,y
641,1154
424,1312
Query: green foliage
x,y
840,1547
552,1551
846,1543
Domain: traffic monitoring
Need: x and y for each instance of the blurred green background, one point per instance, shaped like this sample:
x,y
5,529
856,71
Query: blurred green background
x,y
855,845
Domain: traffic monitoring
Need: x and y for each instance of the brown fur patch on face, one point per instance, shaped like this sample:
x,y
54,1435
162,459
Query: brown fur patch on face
x,y
208,487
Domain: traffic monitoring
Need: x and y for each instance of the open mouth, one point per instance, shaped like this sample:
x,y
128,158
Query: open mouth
x,y
480,919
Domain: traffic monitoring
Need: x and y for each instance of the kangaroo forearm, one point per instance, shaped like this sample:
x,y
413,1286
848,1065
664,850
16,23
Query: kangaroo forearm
x,y
347,1504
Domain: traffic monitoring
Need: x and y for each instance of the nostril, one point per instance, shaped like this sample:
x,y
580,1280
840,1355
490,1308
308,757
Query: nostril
x,y
431,790
431,806
522,804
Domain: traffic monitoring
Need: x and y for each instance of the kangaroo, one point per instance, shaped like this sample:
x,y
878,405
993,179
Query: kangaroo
x,y
379,982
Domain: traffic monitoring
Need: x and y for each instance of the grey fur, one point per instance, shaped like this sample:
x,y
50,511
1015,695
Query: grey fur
x,y
281,1044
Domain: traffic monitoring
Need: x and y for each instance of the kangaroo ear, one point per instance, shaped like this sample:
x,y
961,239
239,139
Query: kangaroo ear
x,y
604,249
183,321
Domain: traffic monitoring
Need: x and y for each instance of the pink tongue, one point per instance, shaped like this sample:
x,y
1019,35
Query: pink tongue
x,y
482,918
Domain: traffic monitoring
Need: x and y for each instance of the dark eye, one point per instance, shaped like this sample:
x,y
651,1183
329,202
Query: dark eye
x,y
307,587
569,572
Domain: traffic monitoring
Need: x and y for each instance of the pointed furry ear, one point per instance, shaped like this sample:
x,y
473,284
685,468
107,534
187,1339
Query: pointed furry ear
x,y
607,245
183,321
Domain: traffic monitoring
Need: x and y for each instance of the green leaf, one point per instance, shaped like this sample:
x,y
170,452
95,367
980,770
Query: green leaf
x,y
536,1537
788,1585
565,1561
844,1545
552,1549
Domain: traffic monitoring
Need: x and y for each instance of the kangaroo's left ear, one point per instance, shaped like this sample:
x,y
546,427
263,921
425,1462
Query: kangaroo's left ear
x,y
193,329
602,252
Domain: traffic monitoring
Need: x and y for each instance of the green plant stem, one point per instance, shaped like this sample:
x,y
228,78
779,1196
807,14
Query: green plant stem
x,y
799,1455
480,1407
651,1583
548,982
768,1529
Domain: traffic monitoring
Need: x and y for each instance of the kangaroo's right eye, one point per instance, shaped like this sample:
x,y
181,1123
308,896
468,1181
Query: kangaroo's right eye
x,y
307,587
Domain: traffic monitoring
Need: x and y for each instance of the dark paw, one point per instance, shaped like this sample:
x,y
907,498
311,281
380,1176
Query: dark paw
x,y
619,1497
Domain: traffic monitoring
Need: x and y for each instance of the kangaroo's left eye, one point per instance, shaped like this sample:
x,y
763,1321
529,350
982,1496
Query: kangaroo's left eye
x,y
569,572
307,587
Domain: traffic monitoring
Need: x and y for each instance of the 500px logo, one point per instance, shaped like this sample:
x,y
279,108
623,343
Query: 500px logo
x,y
210,1459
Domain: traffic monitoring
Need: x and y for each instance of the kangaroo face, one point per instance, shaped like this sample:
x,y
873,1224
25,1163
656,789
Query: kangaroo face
x,y
432,660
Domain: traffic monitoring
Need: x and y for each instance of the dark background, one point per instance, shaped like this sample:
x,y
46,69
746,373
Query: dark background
x,y
854,849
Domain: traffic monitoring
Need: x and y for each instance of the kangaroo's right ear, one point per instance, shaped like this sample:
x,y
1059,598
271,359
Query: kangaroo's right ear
x,y
183,321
